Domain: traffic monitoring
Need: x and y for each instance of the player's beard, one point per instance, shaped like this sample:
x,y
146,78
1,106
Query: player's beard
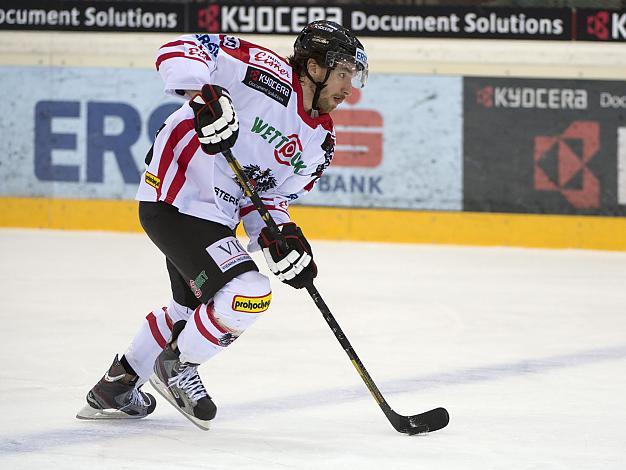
x,y
327,104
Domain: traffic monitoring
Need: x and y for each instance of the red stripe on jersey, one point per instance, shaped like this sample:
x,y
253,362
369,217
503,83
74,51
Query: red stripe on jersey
x,y
180,131
154,329
247,209
210,313
183,162
177,43
309,186
203,331
168,319
324,120
172,55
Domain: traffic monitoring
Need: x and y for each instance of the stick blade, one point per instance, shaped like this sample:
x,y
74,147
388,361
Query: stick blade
x,y
422,423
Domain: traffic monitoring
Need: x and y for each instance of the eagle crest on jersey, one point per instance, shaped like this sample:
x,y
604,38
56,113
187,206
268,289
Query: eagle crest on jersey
x,y
263,181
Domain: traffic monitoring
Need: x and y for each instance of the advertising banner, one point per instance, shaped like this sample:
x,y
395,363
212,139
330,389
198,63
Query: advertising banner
x,y
387,20
398,146
78,132
544,146
232,17
84,133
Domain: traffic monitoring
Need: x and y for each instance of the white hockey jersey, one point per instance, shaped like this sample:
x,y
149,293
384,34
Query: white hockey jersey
x,y
281,147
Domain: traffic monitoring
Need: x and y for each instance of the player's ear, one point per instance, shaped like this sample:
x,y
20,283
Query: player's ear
x,y
315,70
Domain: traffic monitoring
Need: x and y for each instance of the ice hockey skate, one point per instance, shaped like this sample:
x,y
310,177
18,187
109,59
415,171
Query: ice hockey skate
x,y
179,383
116,396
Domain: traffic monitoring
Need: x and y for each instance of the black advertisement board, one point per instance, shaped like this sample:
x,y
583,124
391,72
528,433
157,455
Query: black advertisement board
x,y
389,21
411,21
544,146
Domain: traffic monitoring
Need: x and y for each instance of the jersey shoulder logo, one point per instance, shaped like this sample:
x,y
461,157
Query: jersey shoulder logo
x,y
210,44
230,42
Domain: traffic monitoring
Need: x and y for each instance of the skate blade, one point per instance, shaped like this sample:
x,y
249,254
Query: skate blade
x,y
162,389
88,412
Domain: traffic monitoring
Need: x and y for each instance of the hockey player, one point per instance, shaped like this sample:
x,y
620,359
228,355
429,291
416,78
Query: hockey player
x,y
273,113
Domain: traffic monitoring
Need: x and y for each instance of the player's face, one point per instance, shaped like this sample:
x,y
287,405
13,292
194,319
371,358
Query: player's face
x,y
338,88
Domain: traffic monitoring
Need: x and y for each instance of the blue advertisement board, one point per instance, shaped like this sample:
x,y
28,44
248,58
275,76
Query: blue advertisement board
x,y
84,132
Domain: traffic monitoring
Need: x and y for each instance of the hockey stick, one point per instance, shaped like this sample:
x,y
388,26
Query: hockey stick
x,y
416,424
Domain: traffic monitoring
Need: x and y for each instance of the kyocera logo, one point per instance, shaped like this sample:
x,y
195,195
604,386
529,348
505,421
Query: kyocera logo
x,y
532,98
561,163
209,18
604,25
597,25
264,19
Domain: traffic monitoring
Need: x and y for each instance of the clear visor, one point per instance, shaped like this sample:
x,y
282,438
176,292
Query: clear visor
x,y
355,67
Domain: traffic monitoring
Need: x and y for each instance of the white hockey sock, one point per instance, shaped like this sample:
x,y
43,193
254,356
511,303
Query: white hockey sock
x,y
152,337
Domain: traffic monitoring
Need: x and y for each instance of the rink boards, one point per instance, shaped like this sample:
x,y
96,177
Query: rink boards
x,y
403,226
419,157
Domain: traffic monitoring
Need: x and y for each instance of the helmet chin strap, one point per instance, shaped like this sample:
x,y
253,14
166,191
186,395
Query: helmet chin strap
x,y
319,86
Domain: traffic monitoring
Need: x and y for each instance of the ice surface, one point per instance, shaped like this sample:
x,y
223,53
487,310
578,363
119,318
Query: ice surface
x,y
525,348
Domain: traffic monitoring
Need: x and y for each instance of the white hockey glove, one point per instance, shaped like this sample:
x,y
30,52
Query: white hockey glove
x,y
295,266
215,119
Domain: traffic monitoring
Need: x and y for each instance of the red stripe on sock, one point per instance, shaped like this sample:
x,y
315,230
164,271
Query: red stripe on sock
x,y
168,319
203,331
156,333
210,313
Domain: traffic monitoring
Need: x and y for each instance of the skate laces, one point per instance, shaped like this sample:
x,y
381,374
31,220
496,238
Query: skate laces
x,y
137,399
189,381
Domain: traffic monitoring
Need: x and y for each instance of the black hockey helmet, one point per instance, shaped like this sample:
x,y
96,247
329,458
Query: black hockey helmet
x,y
330,45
